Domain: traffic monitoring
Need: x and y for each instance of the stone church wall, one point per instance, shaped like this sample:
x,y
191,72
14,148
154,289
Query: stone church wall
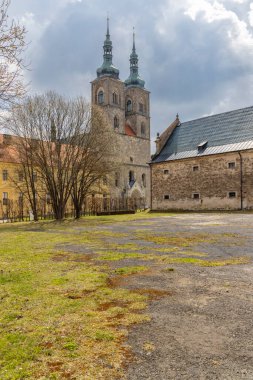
x,y
133,155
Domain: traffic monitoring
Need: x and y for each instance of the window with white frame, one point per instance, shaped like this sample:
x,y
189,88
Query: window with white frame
x,y
5,198
5,175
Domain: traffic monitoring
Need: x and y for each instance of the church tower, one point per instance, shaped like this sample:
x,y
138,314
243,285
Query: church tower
x,y
126,105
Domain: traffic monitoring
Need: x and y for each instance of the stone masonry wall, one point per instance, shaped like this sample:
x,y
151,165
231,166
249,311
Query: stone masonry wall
x,y
213,181
134,155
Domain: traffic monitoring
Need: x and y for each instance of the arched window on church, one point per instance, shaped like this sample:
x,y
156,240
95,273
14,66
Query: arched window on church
x,y
116,122
143,179
100,97
117,179
129,106
143,129
131,177
115,98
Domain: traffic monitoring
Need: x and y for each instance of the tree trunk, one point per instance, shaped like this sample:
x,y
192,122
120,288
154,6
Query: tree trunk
x,y
59,212
77,212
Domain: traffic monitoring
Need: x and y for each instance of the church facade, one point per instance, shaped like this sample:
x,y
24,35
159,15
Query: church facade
x,y
126,106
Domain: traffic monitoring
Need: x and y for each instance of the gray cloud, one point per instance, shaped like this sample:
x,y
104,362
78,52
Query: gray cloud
x,y
195,56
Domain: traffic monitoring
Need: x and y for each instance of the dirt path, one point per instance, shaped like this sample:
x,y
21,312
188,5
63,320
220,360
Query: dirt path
x,y
204,329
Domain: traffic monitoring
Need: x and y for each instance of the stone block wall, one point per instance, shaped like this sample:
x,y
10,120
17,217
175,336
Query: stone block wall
x,y
216,178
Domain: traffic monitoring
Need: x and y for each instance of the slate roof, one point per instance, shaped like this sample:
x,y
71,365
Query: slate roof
x,y
225,132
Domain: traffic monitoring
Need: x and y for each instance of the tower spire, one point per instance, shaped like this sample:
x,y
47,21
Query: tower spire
x,y
134,78
108,29
107,68
133,40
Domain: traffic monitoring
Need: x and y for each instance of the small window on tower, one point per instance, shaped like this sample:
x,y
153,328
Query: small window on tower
x,y
131,177
115,98
141,108
143,179
143,129
100,97
129,106
117,179
116,122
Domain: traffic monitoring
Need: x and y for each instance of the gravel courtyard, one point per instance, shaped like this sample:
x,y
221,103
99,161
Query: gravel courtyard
x,y
201,317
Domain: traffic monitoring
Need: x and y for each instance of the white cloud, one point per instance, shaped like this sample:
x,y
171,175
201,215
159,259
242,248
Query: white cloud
x,y
237,31
250,14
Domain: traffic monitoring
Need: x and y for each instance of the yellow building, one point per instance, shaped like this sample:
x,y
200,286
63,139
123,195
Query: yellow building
x,y
14,200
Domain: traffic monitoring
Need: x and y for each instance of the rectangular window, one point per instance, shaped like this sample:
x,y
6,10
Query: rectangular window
x,y
231,165
196,196
166,197
165,171
232,194
48,198
5,175
195,168
20,177
5,198
141,107
20,197
34,176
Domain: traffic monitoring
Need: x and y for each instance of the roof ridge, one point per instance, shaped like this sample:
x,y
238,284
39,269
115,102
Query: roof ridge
x,y
217,114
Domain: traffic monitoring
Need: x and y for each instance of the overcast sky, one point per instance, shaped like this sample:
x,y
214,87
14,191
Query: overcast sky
x,y
196,56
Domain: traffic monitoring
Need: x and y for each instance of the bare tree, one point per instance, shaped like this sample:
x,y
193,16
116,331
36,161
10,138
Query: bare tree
x,y
12,45
63,141
96,159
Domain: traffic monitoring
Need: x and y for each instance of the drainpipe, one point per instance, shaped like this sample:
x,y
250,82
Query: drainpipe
x,y
151,198
241,180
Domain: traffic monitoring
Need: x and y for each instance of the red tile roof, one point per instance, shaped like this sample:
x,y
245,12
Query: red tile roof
x,y
129,131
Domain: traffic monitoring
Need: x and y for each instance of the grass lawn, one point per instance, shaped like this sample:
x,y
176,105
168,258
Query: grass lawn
x,y
61,317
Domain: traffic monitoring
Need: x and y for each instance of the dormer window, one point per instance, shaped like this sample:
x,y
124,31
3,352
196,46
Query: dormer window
x,y
202,146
